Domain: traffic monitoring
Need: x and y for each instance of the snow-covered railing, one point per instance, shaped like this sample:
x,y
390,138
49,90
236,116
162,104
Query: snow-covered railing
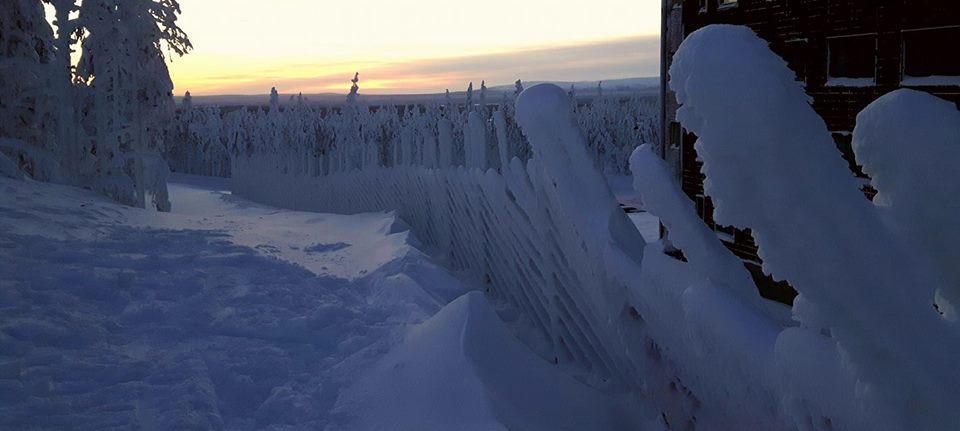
x,y
864,346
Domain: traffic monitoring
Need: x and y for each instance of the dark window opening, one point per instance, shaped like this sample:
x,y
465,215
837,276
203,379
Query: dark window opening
x,y
676,134
727,3
795,54
852,56
927,53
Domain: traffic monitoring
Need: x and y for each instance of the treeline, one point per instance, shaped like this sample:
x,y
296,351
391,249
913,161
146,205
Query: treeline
x,y
315,141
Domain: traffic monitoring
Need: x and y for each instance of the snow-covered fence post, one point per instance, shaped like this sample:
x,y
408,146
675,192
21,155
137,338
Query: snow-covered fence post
x,y
557,142
445,141
815,229
475,141
906,141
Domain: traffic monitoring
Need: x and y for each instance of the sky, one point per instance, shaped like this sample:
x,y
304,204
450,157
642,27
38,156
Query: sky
x,y
410,46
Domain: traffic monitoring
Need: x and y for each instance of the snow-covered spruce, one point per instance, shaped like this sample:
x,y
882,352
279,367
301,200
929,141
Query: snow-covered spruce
x,y
101,121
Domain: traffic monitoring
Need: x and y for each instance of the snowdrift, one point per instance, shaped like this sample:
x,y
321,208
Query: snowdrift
x,y
462,369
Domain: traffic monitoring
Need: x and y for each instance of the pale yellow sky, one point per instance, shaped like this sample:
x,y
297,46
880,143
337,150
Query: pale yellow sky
x,y
410,46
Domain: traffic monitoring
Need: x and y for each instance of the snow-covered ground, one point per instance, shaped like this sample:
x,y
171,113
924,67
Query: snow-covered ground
x,y
229,314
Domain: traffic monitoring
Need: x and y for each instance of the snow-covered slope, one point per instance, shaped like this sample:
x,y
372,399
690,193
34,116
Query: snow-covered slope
x,y
229,315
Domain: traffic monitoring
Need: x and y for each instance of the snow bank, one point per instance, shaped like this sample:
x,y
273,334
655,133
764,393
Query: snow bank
x,y
462,369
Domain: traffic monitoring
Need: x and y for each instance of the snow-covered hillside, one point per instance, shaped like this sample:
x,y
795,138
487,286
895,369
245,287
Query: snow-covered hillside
x,y
229,314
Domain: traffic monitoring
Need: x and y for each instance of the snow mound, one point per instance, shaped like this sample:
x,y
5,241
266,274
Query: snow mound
x,y
462,369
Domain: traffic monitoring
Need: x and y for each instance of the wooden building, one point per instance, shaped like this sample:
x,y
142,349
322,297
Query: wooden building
x,y
847,53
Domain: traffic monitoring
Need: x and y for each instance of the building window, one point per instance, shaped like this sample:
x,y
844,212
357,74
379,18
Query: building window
x,y
723,4
926,62
676,134
796,53
852,60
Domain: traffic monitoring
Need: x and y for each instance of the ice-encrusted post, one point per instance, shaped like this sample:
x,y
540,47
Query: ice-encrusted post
x,y
475,134
543,112
475,141
445,142
663,197
772,166
906,141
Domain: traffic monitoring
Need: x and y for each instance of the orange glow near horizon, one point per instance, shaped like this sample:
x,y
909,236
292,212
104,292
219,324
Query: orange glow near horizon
x,y
409,46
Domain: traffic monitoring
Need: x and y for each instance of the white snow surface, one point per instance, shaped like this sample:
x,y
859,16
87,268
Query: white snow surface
x,y
226,314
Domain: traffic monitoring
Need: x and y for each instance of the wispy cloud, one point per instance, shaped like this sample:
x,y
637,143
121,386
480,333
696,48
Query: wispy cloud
x,y
607,59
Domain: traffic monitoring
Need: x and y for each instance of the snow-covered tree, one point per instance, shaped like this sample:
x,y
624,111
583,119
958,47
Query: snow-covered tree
x,y
469,102
483,96
123,63
274,100
187,103
26,63
354,89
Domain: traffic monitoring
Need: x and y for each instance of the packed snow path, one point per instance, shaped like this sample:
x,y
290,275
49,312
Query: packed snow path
x,y
227,314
